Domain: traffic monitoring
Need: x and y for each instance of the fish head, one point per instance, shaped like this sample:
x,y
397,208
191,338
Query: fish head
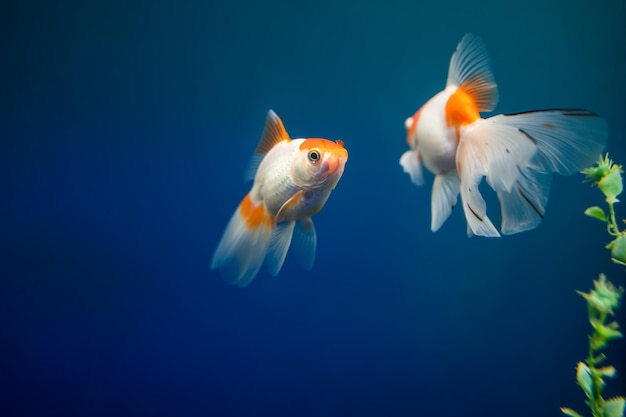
x,y
410,124
319,163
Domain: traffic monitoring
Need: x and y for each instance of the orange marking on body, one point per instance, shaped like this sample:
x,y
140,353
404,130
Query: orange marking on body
x,y
549,125
255,215
461,110
410,133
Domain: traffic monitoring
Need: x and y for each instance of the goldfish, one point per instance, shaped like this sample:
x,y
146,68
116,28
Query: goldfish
x,y
517,154
293,179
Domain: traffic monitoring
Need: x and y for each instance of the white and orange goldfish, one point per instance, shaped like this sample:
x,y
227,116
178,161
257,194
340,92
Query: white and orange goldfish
x,y
293,179
516,153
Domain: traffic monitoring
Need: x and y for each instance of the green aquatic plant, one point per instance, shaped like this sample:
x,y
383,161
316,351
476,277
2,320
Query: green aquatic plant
x,y
603,299
608,177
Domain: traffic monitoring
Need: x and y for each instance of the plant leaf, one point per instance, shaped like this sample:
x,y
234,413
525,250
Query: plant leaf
x,y
614,407
611,185
618,249
570,412
607,371
605,332
583,377
597,213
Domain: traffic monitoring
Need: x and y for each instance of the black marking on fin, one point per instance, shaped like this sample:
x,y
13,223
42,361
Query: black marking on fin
x,y
530,203
579,113
474,213
565,112
525,133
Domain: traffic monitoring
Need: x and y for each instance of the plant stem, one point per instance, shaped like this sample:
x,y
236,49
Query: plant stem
x,y
612,227
596,402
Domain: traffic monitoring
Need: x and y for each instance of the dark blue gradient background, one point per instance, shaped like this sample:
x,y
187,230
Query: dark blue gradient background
x,y
126,128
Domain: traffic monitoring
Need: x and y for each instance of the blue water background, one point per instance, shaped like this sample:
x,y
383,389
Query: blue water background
x,y
125,130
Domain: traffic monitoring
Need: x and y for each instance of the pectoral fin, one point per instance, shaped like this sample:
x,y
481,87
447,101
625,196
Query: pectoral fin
x,y
289,205
412,165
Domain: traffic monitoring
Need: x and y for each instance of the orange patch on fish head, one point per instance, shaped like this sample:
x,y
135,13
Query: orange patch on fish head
x,y
325,147
411,127
255,216
461,110
323,158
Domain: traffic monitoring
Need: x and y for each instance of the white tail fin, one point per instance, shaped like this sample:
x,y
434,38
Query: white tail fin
x,y
523,207
516,154
568,140
245,242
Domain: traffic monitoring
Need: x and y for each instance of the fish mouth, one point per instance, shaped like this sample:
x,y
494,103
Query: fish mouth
x,y
331,170
337,158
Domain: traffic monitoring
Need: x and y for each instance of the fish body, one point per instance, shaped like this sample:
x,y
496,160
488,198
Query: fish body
x,y
438,141
293,179
516,153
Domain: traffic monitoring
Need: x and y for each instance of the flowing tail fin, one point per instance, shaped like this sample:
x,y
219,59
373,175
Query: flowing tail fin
x,y
567,140
244,244
516,154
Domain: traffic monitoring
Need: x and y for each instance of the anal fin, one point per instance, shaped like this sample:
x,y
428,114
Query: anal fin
x,y
444,195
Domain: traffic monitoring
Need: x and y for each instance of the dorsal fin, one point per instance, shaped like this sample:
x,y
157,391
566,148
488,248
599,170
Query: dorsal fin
x,y
273,133
470,70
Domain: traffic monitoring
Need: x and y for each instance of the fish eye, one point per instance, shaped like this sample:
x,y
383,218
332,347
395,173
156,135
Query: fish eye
x,y
314,155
